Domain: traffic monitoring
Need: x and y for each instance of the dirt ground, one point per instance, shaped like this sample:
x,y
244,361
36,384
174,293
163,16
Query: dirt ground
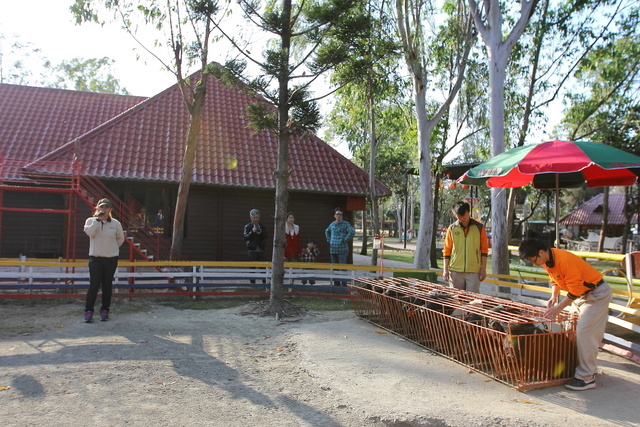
x,y
154,365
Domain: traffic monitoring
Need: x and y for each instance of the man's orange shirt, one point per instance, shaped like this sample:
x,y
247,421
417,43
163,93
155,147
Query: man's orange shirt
x,y
571,272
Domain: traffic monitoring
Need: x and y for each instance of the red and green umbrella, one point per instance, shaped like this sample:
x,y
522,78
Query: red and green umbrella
x,y
555,165
571,163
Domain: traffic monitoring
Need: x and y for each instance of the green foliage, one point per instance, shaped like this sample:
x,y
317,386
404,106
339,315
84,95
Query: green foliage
x,y
91,75
262,116
83,11
368,72
303,109
29,67
310,39
182,27
202,9
605,104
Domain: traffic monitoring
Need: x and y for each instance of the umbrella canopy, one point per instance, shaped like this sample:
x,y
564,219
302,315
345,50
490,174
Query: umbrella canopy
x,y
555,165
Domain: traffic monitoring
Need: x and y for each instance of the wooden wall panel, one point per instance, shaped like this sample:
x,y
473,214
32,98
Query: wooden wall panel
x,y
214,222
34,234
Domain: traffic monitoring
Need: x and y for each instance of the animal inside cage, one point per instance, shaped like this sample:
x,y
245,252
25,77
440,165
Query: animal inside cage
x,y
505,340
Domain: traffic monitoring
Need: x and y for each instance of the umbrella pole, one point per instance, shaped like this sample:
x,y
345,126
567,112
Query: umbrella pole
x,y
557,211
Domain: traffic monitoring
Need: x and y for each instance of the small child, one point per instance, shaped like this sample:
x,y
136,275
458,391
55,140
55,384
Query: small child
x,y
309,254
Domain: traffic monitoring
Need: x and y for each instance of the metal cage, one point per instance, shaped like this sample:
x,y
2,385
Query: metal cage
x,y
505,340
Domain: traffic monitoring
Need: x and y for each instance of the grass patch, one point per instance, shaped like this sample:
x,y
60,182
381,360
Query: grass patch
x,y
392,254
401,256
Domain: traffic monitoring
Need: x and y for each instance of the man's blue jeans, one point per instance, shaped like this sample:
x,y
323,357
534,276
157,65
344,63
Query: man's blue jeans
x,y
339,259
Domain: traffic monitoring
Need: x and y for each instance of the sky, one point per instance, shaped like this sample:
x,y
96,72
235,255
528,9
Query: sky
x,y
53,30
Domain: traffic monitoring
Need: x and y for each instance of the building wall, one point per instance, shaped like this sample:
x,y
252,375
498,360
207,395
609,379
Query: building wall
x,y
33,234
213,229
216,219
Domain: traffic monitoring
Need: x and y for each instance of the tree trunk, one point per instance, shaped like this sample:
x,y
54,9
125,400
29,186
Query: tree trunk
x,y
627,221
279,241
511,211
605,219
436,211
372,175
498,49
365,233
276,299
499,249
409,15
425,232
187,167
412,211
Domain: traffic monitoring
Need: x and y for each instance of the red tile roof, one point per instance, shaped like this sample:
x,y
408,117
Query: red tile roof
x,y
34,120
146,143
590,213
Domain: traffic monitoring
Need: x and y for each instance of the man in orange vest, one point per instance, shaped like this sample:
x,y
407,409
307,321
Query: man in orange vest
x,y
465,250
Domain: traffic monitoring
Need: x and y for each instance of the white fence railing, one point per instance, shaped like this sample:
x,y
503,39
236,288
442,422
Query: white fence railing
x,y
40,278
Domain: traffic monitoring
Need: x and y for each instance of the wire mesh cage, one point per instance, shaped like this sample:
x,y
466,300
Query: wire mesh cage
x,y
505,340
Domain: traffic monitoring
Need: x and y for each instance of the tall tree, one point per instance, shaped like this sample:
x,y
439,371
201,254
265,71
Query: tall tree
x,y
372,71
308,39
557,40
605,104
185,30
489,22
395,136
411,20
462,119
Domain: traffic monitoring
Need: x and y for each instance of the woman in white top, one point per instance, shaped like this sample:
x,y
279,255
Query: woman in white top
x,y
106,237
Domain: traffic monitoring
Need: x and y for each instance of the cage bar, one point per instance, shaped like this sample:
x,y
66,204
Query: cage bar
x,y
508,341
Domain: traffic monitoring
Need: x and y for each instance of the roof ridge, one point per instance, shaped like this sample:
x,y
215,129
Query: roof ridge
x,y
142,104
70,91
145,142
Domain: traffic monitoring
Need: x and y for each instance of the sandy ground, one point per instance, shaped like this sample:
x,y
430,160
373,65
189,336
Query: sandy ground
x,y
153,365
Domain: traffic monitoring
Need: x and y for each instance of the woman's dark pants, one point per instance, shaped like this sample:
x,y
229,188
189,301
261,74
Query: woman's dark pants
x,y
101,272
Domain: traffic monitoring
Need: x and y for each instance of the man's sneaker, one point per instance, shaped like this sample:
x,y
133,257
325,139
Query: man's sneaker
x,y
104,315
88,316
578,385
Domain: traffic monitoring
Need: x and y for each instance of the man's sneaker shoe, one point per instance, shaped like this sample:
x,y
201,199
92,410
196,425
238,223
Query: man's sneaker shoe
x,y
88,316
104,315
578,385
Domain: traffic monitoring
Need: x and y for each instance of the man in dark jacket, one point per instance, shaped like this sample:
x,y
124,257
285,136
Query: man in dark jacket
x,y
255,235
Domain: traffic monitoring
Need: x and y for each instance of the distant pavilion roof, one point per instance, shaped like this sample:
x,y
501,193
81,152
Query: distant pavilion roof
x,y
590,213
456,171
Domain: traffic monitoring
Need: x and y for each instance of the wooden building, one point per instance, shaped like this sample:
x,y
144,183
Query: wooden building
x,y
589,215
63,150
